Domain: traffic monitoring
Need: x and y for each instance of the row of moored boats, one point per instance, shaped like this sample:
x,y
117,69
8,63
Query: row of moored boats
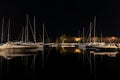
x,y
105,47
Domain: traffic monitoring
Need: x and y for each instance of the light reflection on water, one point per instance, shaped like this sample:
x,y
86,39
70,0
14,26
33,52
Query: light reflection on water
x,y
59,61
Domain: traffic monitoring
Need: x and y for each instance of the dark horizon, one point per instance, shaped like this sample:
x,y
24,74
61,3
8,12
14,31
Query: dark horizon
x,y
63,17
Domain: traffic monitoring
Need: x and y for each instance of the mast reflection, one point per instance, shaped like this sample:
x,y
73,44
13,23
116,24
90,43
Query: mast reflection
x,y
110,54
9,54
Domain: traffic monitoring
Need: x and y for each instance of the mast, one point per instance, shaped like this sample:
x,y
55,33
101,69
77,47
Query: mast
x,y
2,30
90,31
43,50
25,34
27,29
8,37
43,33
34,30
94,29
22,34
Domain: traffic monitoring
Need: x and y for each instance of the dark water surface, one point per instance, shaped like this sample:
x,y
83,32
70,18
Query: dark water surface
x,y
61,63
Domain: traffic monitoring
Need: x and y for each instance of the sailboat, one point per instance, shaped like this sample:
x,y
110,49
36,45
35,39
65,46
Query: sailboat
x,y
41,44
101,46
89,45
35,43
17,46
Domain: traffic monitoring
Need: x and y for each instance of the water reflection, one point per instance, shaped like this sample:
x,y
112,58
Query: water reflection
x,y
89,63
69,50
54,61
10,53
65,50
110,54
19,64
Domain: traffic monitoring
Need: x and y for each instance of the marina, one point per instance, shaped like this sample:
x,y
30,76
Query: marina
x,y
59,39
73,57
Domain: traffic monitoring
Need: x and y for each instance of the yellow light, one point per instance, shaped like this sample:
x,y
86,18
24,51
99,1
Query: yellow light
x,y
77,50
77,39
112,38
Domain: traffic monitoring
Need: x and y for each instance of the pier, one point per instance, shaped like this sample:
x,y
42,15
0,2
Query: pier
x,y
61,44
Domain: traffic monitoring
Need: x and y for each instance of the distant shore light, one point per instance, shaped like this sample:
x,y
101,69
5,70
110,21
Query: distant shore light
x,y
77,39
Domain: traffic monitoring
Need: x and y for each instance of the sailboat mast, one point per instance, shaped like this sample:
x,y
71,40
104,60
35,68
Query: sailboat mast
x,y
22,34
43,33
8,39
94,29
2,30
34,30
27,29
90,31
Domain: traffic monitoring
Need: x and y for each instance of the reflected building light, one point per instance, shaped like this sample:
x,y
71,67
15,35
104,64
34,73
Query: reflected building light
x,y
69,50
77,51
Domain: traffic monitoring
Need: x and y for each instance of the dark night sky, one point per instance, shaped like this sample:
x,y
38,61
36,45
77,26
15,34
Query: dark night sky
x,y
64,17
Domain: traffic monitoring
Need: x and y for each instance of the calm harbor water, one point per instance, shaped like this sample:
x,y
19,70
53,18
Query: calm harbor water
x,y
60,63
